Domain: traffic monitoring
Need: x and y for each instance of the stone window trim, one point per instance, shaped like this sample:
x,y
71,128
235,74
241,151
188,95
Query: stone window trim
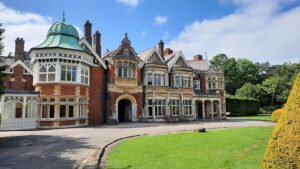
x,y
126,70
156,78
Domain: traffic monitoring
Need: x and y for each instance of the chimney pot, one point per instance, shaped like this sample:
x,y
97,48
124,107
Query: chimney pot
x,y
19,50
97,42
161,48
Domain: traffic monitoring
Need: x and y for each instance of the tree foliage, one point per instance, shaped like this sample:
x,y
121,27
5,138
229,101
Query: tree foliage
x,y
249,90
2,68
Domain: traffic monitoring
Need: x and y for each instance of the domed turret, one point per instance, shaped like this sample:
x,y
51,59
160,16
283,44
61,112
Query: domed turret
x,y
61,35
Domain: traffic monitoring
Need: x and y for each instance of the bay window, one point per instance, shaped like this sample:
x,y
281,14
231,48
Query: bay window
x,y
157,79
68,73
186,81
149,77
160,107
177,81
125,70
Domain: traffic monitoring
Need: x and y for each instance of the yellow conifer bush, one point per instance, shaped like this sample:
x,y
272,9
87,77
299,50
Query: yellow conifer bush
x,y
276,114
283,150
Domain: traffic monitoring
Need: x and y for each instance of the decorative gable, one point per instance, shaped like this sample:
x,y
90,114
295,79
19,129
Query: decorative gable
x,y
154,58
180,62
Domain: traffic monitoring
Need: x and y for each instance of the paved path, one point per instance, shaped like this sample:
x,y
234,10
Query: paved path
x,y
80,147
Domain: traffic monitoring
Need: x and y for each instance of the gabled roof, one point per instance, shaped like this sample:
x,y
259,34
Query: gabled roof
x,y
84,41
199,64
20,62
173,57
146,54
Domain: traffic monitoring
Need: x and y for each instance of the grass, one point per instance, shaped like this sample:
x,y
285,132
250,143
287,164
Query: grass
x,y
261,117
234,148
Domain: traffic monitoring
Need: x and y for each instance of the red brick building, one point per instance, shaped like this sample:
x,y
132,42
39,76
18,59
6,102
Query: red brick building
x,y
66,81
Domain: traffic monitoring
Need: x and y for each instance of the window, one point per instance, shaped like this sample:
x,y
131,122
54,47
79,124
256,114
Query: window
x,y
62,111
187,105
52,100
214,107
62,99
68,73
71,110
159,79
149,78
160,107
8,111
81,109
186,81
126,70
84,76
47,73
174,107
28,110
119,69
150,108
44,111
19,110
51,111
177,81
197,84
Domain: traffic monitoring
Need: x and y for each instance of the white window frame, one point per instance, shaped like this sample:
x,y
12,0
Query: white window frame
x,y
186,81
161,106
187,104
66,72
197,84
174,107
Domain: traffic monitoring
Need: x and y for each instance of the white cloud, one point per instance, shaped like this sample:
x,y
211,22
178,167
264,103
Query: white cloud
x,y
132,3
161,20
258,30
29,26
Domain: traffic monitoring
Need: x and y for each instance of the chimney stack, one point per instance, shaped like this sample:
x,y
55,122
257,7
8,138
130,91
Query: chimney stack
x,y
97,42
88,32
198,57
161,48
19,51
168,51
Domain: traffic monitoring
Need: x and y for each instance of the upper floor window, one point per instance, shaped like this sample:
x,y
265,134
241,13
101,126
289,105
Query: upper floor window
x,y
197,84
211,85
177,81
156,79
186,81
47,73
68,73
84,76
126,70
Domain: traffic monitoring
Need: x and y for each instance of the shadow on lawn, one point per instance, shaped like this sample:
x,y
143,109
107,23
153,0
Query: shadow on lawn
x,y
39,151
108,167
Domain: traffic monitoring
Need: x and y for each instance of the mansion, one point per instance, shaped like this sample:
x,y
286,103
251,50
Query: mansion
x,y
66,81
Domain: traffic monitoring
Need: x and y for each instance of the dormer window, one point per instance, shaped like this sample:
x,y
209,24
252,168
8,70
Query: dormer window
x,y
126,70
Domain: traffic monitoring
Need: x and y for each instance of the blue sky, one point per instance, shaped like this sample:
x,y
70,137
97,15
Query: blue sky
x,y
251,29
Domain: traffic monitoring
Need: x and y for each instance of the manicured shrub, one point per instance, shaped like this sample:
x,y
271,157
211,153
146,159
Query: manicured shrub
x,y
276,114
239,106
283,150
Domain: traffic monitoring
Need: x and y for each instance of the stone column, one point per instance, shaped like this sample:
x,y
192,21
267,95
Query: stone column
x,y
203,110
212,109
220,109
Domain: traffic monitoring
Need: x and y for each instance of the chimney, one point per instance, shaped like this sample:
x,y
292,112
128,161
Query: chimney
x,y
168,51
88,32
19,51
161,48
97,42
198,57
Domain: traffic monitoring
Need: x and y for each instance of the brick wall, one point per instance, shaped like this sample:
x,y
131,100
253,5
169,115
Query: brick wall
x,y
19,80
97,95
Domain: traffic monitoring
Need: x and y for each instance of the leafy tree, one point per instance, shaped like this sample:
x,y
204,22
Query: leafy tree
x,y
231,76
249,72
2,68
249,90
269,86
219,60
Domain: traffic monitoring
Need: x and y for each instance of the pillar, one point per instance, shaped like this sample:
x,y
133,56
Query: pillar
x,y
212,109
220,109
203,110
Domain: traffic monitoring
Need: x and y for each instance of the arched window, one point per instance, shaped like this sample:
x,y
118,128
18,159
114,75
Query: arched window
x,y
51,73
8,111
43,73
19,110
28,110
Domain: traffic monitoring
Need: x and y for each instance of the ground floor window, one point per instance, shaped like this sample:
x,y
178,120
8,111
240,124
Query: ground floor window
x,y
150,108
44,112
19,110
51,111
174,107
187,104
71,110
81,108
62,111
214,107
160,107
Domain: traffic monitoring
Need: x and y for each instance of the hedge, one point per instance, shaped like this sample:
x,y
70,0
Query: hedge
x,y
276,115
238,106
283,150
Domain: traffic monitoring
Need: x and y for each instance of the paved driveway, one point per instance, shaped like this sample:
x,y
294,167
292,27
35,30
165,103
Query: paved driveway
x,y
80,147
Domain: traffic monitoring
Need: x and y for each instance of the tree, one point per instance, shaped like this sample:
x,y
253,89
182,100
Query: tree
x,y
249,72
283,147
231,76
249,90
2,68
269,86
219,60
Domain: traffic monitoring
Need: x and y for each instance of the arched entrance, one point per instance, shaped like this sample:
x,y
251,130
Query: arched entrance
x,y
199,109
124,110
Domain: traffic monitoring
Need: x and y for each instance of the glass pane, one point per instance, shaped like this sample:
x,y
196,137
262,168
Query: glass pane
x,y
62,111
71,99
42,77
69,75
44,111
63,75
52,100
51,69
51,77
74,75
52,111
125,72
71,111
62,99
43,69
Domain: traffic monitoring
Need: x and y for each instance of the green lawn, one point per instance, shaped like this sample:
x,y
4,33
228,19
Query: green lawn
x,y
240,148
262,117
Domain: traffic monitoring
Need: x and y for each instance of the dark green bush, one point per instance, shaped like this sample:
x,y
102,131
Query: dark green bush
x,y
238,106
267,109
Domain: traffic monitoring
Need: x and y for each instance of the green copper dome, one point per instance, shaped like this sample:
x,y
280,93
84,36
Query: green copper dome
x,y
61,35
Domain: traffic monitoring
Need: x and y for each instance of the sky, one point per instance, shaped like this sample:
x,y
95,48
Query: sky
x,y
258,30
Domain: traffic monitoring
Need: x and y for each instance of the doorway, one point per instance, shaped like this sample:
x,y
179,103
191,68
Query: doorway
x,y
124,110
199,110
